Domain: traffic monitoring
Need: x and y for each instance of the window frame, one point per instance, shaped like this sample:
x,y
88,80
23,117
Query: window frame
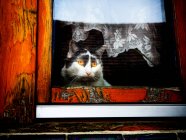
x,y
44,50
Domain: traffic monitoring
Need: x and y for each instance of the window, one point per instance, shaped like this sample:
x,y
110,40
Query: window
x,y
139,48
138,54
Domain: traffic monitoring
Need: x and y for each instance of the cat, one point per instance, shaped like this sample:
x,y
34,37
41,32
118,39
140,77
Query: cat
x,y
84,67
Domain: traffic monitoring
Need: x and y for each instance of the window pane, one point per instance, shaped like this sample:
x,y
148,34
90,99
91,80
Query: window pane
x,y
110,11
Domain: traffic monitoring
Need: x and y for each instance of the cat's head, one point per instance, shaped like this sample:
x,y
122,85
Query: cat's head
x,y
83,64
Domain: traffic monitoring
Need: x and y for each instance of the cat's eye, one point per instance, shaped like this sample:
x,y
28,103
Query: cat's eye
x,y
93,64
80,62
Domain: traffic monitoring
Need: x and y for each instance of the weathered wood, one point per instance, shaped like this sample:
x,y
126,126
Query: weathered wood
x,y
17,58
91,126
44,50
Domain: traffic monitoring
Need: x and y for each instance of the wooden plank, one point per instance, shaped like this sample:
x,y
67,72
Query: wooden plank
x,y
17,58
44,50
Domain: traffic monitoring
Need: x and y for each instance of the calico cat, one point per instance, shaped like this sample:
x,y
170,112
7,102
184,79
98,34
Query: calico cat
x,y
84,67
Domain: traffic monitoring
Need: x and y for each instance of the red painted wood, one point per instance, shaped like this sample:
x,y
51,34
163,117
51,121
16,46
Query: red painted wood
x,y
180,29
44,50
115,95
102,95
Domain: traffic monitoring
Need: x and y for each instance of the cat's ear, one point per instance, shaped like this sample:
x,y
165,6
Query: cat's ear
x,y
101,50
72,49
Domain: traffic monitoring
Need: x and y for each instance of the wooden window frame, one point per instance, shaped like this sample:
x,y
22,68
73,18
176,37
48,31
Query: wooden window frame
x,y
44,58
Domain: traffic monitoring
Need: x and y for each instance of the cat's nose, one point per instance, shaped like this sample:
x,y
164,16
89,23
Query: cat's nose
x,y
88,73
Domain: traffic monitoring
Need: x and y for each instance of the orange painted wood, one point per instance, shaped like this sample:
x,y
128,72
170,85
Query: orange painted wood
x,y
18,21
180,29
115,95
126,94
44,50
98,95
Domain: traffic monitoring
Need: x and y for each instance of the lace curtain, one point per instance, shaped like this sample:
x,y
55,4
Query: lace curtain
x,y
120,38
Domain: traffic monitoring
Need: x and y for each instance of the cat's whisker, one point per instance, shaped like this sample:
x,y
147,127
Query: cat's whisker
x,y
95,78
73,80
